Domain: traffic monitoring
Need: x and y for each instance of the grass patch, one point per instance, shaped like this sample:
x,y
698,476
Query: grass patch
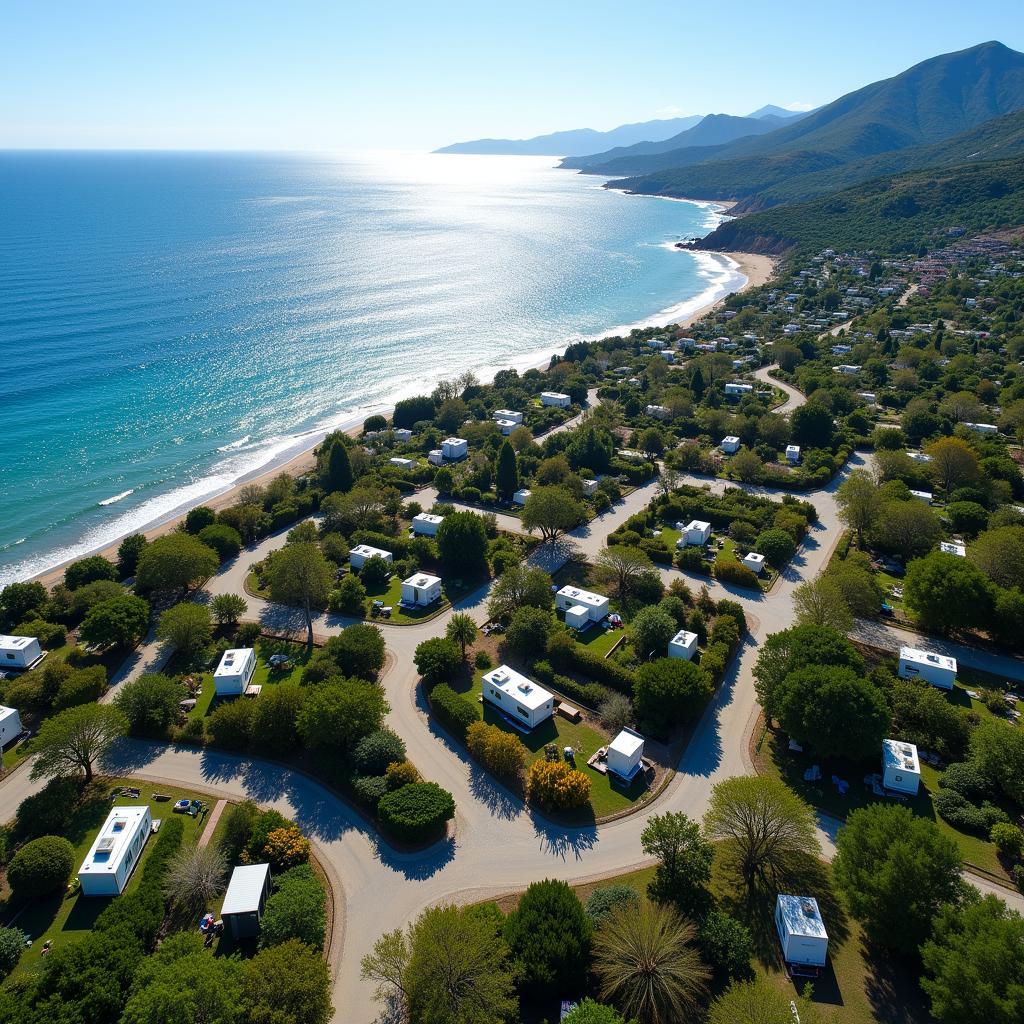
x,y
390,592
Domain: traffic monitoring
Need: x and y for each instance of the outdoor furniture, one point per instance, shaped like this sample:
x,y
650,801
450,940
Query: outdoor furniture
x,y
813,774
160,797
182,806
155,826
568,711
795,747
253,690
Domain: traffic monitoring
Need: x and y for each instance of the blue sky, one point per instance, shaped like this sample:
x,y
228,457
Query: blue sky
x,y
318,75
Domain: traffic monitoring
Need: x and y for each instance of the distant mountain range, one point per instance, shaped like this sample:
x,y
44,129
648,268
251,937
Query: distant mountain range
x,y
581,141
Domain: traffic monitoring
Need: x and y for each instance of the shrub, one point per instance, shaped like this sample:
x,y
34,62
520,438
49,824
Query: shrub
x,y
286,847
150,703
566,654
248,633
230,725
349,598
228,608
373,753
735,611
81,686
49,634
49,812
726,945
557,786
714,661
437,660
601,902
500,751
729,571
417,812
691,559
651,630
669,692
777,546
41,866
375,571
88,570
224,539
455,711
295,910
529,630
12,942
400,774
368,789
238,821
725,631
193,732
1009,840
968,780
959,812
482,660
357,650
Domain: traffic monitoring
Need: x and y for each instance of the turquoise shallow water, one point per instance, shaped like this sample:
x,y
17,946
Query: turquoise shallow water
x,y
172,322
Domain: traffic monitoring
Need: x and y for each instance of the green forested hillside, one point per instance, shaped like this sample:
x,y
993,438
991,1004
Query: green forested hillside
x,y
891,214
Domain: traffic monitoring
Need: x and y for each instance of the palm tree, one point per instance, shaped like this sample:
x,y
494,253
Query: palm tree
x,y
646,964
461,630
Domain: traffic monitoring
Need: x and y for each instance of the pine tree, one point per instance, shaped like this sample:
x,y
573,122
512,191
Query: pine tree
x,y
507,474
339,468
697,383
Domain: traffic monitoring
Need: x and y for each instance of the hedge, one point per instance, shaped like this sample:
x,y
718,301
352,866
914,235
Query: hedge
x,y
455,711
565,653
398,546
732,572
416,812
590,695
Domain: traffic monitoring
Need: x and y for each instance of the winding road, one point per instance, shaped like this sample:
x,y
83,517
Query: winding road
x,y
498,844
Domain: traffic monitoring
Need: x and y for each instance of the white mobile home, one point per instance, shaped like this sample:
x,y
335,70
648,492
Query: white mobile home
x,y
925,496
362,553
245,899
792,454
737,390
426,524
730,444
754,562
10,725
401,463
848,369
519,498
801,931
625,754
234,671
870,398
697,531
455,448
436,457
658,412
683,645
402,434
508,414
421,589
589,488
982,428
115,851
555,398
506,426
901,769
953,547
19,652
937,669
520,698
570,596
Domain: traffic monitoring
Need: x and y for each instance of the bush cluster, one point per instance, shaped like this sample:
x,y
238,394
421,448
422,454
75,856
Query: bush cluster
x,y
416,812
455,711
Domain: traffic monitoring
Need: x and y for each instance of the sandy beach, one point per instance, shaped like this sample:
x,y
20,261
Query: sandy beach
x,y
757,269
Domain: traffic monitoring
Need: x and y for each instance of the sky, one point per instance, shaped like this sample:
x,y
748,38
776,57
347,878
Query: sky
x,y
314,75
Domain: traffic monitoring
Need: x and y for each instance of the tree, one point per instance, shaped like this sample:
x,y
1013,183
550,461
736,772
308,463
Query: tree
x,y
274,719
555,785
684,856
89,570
20,600
589,1012
287,984
461,629
812,425
528,631
621,567
41,866
506,477
228,608
764,821
174,562
462,544
646,964
553,511
603,900
746,466
669,692
12,942
833,710
974,972
149,704
907,528
198,518
997,749
896,870
651,443
128,553
295,910
760,1002
517,586
373,753
858,587
821,602
194,876
187,628
548,934
651,630
338,714
953,464
299,574
967,517
117,622
339,468
224,539
437,660
726,945
999,554
358,650
947,592
777,546
350,597
74,740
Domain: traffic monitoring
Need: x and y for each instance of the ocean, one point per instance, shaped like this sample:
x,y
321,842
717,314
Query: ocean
x,y
171,323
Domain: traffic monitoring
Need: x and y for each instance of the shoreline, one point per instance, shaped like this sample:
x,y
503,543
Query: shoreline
x,y
755,268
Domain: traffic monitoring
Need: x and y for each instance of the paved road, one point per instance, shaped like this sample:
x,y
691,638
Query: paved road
x,y
499,844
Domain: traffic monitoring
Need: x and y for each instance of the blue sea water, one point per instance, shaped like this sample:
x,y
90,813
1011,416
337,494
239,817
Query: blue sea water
x,y
170,323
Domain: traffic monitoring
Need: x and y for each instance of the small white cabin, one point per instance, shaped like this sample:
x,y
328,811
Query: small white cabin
x,y
697,531
245,899
937,669
234,672
577,616
924,496
436,457
901,769
730,444
508,414
792,454
754,562
737,390
870,398
401,463
116,851
625,754
10,725
919,457
570,596
519,498
402,434
362,553
801,930
953,547
683,645
421,589
426,524
848,369
520,698
658,412
982,428
555,398
589,488
19,652
455,448
506,426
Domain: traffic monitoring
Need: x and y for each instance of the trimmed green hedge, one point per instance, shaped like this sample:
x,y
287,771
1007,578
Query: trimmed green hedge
x,y
455,711
564,653
416,812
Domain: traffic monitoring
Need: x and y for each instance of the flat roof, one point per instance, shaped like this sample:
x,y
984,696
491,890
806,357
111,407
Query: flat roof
x,y
901,754
454,440
952,547
697,524
802,916
627,743
920,657
234,661
553,394
421,579
729,438
427,517
684,638
583,596
369,552
245,889
15,643
6,712
113,838
753,556
521,689
792,447
577,609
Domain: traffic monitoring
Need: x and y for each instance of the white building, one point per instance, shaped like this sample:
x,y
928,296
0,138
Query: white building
x,y
362,553
402,434
555,398
436,457
510,414
10,725
952,547
695,532
234,671
937,669
506,426
870,398
426,524
421,589
901,769
730,444
919,457
625,754
520,698
792,453
115,852
736,390
577,616
841,350
519,498
19,652
801,931
596,604
754,562
847,369
454,448
925,496
401,463
589,488
982,428
245,899
683,645
658,412
668,355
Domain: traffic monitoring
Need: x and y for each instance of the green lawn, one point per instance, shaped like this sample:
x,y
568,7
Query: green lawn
x,y
597,639
728,552
391,593
67,917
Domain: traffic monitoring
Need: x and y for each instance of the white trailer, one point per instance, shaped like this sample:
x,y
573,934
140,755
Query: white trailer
x,y
801,931
116,851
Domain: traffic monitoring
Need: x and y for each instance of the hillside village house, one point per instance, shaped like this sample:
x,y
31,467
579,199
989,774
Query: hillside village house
x,y
362,553
730,444
736,390
245,899
10,725
511,414
115,852
952,547
695,532
234,672
435,457
421,589
848,369
589,488
792,454
982,428
801,931
754,562
555,398
925,496
683,645
401,463
658,412
870,398
506,426
519,698
625,754
426,524
519,498
402,434
454,448
919,457
19,652
571,598
901,769
937,669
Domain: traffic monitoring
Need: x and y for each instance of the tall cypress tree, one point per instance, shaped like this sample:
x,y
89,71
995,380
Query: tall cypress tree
x,y
506,478
339,468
